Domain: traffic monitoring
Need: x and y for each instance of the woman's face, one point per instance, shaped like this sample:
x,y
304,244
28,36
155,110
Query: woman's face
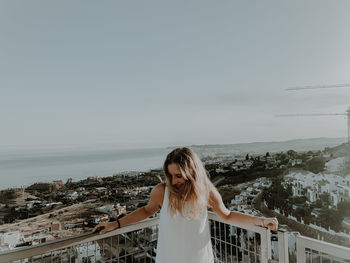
x,y
177,179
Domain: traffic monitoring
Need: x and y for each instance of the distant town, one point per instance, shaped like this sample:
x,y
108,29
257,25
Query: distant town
x,y
308,192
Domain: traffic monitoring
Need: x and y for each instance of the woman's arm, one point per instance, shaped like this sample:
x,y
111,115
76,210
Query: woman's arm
x,y
215,202
155,202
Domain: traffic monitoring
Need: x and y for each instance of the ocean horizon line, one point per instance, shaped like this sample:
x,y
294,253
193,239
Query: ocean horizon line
x,y
148,146
21,168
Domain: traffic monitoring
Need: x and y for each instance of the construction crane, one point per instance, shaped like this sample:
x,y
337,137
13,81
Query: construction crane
x,y
346,113
343,85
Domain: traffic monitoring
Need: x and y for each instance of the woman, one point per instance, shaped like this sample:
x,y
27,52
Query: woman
x,y
184,234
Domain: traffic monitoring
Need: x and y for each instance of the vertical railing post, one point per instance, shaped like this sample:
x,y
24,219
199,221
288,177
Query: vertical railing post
x,y
283,256
301,257
268,242
265,246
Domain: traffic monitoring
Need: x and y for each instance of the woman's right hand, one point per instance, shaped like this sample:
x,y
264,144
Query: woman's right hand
x,y
105,227
271,223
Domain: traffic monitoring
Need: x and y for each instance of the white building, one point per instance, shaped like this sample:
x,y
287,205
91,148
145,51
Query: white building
x,y
238,199
334,198
313,185
312,195
10,240
73,196
30,204
107,209
219,170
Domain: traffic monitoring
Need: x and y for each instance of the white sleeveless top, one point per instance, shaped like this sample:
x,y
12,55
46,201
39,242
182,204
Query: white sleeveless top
x,y
181,239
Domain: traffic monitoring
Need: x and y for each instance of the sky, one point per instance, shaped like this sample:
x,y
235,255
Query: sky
x,y
159,73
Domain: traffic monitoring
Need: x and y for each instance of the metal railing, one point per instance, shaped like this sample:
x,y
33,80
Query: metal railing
x,y
238,243
312,250
137,243
132,243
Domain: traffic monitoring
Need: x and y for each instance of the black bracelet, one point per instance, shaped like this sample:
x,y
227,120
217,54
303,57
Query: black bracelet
x,y
120,216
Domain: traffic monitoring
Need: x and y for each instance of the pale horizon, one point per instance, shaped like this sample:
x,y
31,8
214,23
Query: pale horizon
x,y
112,145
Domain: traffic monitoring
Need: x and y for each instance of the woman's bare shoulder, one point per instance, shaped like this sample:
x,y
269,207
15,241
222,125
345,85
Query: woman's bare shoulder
x,y
212,191
158,193
159,189
214,196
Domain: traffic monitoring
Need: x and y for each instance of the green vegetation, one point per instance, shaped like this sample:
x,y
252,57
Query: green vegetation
x,y
278,196
344,208
330,218
316,164
323,201
7,195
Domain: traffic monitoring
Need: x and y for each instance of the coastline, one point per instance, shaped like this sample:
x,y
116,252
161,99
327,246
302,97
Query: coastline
x,y
21,168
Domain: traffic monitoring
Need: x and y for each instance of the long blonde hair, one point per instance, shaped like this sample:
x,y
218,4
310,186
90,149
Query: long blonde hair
x,y
197,186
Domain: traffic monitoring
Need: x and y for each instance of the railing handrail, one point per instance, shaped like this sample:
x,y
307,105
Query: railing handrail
x,y
26,252
264,233
257,229
321,246
302,242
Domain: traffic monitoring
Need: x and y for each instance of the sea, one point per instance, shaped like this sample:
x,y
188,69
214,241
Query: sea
x,y
23,166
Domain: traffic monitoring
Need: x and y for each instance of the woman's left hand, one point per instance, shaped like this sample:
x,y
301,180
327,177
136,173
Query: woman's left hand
x,y
271,223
